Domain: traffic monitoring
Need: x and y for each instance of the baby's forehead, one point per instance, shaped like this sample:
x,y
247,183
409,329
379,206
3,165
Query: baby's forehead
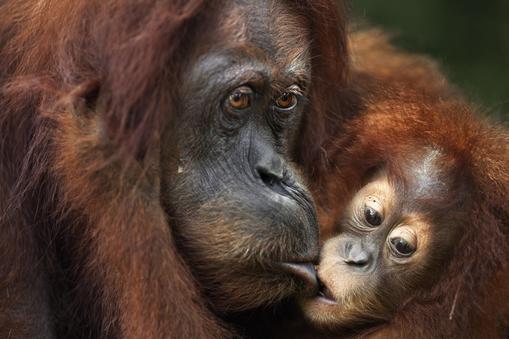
x,y
428,174
428,180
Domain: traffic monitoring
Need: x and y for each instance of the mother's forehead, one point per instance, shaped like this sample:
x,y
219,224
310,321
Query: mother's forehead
x,y
271,29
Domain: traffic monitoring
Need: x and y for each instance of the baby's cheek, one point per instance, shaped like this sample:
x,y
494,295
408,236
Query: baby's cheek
x,y
331,250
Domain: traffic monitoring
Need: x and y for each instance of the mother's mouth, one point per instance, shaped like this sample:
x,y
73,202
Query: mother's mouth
x,y
304,272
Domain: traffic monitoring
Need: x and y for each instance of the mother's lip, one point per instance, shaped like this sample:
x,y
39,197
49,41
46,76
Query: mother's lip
x,y
304,271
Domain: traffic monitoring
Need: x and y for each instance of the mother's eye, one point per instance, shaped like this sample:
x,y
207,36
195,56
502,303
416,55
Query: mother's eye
x,y
240,98
287,101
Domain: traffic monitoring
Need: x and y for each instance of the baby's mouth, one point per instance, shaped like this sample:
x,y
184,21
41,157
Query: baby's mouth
x,y
324,293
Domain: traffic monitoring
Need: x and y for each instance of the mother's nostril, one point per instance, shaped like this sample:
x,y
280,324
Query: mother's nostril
x,y
269,178
270,169
273,177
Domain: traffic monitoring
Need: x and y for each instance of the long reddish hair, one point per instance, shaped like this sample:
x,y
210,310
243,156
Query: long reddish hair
x,y
121,56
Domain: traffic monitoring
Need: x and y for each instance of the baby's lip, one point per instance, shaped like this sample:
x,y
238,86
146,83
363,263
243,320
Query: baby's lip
x,y
324,293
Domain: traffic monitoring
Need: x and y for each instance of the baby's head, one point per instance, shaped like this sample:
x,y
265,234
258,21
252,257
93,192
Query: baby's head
x,y
394,238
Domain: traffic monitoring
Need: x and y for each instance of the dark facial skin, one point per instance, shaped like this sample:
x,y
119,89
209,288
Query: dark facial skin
x,y
239,208
395,237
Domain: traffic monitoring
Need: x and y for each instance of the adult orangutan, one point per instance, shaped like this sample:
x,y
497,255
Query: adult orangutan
x,y
148,161
414,211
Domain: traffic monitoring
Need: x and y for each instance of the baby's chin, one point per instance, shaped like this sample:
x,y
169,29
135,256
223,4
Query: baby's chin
x,y
324,309
339,314
343,300
321,311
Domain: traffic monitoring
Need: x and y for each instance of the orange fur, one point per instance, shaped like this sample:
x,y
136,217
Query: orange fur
x,y
400,115
89,248
394,104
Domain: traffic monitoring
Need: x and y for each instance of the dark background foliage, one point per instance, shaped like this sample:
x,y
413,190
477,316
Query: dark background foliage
x,y
470,39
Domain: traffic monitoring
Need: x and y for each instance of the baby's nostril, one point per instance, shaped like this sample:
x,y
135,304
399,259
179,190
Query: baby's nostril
x,y
359,260
356,262
355,255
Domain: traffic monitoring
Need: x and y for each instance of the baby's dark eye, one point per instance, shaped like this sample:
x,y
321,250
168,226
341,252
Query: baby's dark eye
x,y
373,217
401,247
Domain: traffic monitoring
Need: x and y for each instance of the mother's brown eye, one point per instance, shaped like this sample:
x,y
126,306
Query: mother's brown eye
x,y
240,98
287,100
373,217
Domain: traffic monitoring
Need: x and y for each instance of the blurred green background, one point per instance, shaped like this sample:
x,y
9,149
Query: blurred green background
x,y
470,39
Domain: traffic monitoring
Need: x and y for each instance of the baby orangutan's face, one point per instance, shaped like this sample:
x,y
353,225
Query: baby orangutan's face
x,y
388,245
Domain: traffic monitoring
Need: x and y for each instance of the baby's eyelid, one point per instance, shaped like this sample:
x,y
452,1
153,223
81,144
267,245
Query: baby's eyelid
x,y
374,202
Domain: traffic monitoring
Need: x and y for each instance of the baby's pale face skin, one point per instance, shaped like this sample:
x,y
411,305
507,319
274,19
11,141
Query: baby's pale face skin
x,y
380,255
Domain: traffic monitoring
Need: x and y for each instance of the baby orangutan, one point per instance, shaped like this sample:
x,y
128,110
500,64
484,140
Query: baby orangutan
x,y
414,214
395,238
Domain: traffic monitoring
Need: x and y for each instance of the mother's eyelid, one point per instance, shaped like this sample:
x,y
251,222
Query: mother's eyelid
x,y
224,76
296,89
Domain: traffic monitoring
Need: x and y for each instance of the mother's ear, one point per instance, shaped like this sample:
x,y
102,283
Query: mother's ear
x,y
83,99
87,110
82,115
329,73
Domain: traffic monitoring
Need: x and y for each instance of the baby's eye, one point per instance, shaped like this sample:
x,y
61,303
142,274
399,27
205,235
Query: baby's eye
x,y
372,217
402,247
373,211
402,242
